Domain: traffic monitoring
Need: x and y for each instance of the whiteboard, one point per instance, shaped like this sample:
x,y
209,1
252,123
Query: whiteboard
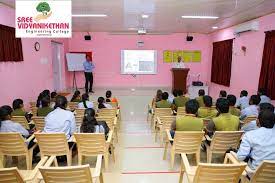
x,y
75,61
138,62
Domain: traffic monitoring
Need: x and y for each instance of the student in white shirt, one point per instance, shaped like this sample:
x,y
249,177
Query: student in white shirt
x,y
243,101
102,104
252,109
6,125
60,120
258,145
89,124
179,63
173,96
263,96
85,104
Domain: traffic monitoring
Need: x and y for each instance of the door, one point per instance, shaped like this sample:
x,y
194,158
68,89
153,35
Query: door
x,y
57,67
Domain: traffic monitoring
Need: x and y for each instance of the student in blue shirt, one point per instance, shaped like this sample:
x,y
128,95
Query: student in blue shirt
x,y
88,71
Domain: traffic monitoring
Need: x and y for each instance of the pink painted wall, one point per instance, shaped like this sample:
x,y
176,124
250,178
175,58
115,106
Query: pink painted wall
x,y
28,78
245,71
107,49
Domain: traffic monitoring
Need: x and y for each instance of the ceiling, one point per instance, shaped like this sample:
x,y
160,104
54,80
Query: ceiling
x,y
164,15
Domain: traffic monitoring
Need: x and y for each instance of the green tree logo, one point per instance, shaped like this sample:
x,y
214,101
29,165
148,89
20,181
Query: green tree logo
x,y
43,7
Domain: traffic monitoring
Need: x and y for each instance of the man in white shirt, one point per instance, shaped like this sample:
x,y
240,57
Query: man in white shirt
x,y
243,101
264,97
258,145
179,63
252,109
60,120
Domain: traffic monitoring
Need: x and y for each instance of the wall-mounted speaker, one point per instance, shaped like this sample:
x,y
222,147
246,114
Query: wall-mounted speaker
x,y
87,37
189,38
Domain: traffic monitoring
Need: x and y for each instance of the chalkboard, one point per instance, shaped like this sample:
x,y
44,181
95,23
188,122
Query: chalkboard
x,y
75,61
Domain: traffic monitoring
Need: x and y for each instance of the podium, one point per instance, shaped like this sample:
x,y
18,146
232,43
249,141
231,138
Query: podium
x,y
179,78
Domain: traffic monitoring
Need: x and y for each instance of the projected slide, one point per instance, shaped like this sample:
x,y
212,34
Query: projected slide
x,y
138,61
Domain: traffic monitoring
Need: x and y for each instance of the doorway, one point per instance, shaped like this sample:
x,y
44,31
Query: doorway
x,y
57,66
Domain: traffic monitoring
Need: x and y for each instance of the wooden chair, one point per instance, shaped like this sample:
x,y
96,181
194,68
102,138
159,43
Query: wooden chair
x,y
111,122
72,105
188,142
22,121
248,119
206,172
34,110
80,174
93,144
13,175
108,112
39,122
13,144
221,142
159,112
181,111
79,112
32,104
114,105
54,144
163,123
78,120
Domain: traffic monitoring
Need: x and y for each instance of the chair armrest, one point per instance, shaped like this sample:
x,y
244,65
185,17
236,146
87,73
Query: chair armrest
x,y
117,112
110,137
50,161
169,135
30,138
231,158
34,172
159,121
115,121
174,111
97,169
208,138
185,162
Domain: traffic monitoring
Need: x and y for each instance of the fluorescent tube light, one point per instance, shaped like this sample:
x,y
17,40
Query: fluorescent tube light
x,y
201,17
214,27
89,15
144,16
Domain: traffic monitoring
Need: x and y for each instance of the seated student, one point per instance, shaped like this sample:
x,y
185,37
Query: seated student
x,y
258,145
243,101
53,97
85,102
189,122
157,98
225,121
102,104
6,125
232,109
223,94
91,125
180,100
207,111
253,124
45,109
263,96
252,109
164,103
60,120
41,95
173,96
200,97
76,97
18,108
109,97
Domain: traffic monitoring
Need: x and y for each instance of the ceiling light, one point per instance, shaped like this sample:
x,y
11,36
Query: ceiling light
x,y
144,16
215,27
201,17
89,15
132,28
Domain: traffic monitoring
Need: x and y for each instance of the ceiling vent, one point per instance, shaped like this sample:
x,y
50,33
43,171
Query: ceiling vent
x,y
246,27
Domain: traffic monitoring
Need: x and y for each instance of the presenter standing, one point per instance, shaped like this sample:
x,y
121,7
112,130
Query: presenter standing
x,y
88,71
179,63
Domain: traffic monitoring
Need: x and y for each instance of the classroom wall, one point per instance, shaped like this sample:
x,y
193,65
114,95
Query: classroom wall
x,y
246,68
28,78
107,48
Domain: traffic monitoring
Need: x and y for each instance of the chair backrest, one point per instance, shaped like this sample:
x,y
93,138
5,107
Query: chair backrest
x,y
80,112
10,175
12,144
107,112
52,144
72,105
21,120
167,121
248,119
163,112
79,174
223,140
90,144
225,173
78,120
181,111
108,119
265,173
188,142
113,104
34,110
39,122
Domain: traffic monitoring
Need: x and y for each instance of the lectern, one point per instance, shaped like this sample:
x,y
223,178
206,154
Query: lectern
x,y
179,78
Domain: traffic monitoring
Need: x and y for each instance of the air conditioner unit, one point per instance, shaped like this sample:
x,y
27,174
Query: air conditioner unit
x,y
245,27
